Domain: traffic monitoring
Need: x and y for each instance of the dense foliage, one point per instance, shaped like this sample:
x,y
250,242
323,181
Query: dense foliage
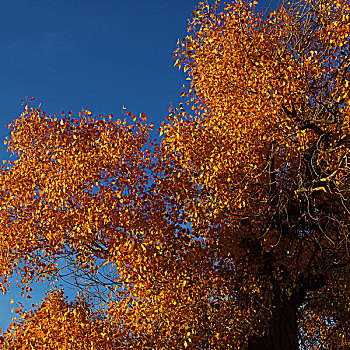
x,y
230,232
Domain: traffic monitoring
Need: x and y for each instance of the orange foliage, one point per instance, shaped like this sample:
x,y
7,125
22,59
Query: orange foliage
x,y
232,231
57,324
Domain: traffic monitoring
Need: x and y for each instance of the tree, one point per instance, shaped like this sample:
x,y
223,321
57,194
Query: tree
x,y
231,231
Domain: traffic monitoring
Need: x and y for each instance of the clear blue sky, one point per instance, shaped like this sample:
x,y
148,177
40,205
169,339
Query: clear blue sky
x,y
96,54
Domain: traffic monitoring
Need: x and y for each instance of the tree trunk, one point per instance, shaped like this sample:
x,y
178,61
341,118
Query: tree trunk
x,y
283,332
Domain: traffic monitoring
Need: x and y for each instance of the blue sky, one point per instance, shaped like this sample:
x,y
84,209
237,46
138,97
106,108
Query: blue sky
x,y
97,55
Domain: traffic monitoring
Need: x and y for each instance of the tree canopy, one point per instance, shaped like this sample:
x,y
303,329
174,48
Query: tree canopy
x,y
228,232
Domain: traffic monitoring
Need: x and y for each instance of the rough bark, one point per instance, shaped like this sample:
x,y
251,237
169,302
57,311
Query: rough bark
x,y
283,332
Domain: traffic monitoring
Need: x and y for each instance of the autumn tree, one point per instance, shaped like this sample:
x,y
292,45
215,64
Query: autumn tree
x,y
231,231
